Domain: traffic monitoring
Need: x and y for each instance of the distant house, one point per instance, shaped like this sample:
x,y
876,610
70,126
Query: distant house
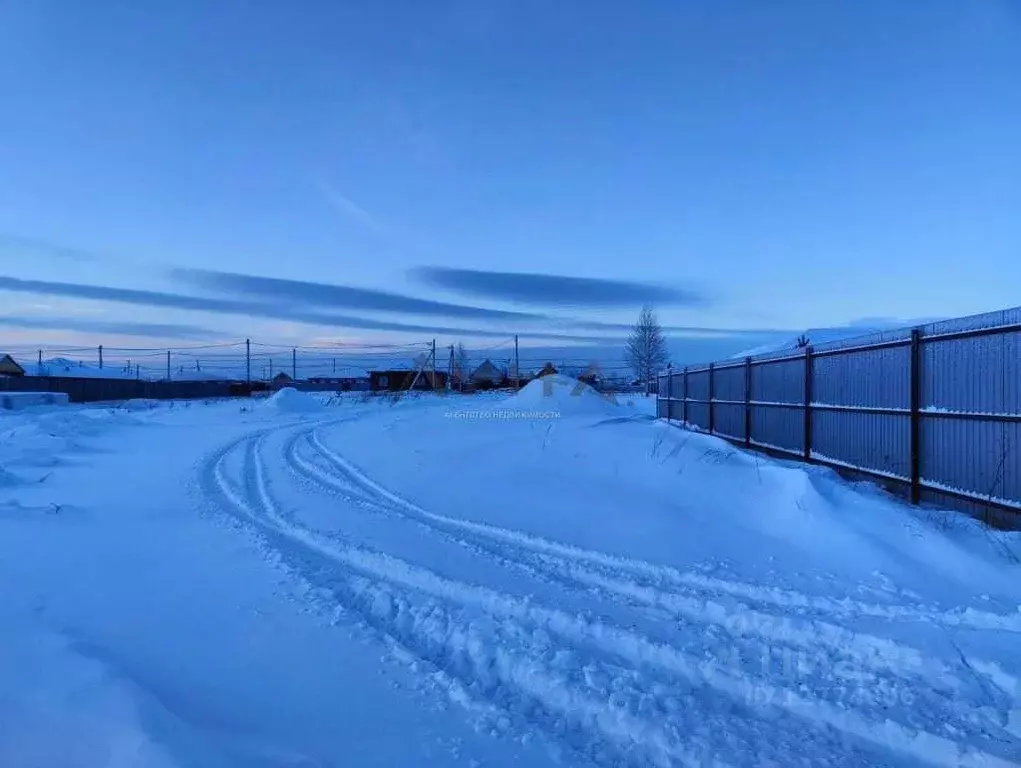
x,y
399,380
9,367
281,380
487,376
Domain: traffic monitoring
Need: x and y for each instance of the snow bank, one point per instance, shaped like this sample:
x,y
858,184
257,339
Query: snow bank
x,y
290,400
62,707
563,394
13,401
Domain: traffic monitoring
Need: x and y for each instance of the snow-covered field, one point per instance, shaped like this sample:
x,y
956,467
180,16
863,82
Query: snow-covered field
x,y
546,579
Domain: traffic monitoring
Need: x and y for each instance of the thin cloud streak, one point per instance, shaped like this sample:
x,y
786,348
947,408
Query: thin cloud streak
x,y
259,310
13,242
112,327
349,208
555,290
331,295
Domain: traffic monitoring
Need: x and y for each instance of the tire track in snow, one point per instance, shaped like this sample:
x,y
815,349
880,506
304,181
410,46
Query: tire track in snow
x,y
693,604
787,599
738,620
869,650
496,658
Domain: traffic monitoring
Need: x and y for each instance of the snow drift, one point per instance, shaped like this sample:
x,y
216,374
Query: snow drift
x,y
290,400
565,395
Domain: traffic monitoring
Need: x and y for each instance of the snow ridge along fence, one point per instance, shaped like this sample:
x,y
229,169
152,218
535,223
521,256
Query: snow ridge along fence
x,y
933,411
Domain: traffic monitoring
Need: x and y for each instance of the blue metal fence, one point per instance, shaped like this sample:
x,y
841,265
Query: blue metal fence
x,y
934,411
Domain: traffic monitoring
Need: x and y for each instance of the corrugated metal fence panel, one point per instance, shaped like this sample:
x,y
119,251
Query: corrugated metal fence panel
x,y
779,427
729,420
698,385
874,378
728,383
779,381
676,410
979,457
698,414
877,441
662,405
980,374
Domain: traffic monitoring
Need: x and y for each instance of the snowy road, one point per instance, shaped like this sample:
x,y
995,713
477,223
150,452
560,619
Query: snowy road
x,y
602,590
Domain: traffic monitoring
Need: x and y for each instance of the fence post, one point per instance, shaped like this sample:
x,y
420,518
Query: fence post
x,y
916,415
712,394
809,381
684,404
748,402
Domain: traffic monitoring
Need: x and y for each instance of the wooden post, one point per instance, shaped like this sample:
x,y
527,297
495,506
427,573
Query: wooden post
x,y
809,376
168,365
916,415
101,356
294,364
712,414
248,361
432,354
748,402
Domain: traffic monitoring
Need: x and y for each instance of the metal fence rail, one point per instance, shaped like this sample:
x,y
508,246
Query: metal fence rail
x,y
933,411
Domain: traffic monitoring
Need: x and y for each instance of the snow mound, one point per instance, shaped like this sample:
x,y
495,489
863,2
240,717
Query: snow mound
x,y
565,395
290,400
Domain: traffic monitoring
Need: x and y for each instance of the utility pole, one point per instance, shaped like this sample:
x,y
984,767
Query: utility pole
x,y
168,365
100,356
40,361
450,369
271,368
248,360
517,370
334,366
294,363
433,356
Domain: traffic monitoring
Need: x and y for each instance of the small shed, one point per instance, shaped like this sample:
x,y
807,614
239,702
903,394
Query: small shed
x,y
9,367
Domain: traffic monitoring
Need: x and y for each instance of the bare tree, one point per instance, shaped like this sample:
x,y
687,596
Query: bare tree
x,y
802,341
462,369
646,351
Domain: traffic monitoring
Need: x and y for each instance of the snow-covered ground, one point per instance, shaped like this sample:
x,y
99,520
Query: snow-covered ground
x,y
544,579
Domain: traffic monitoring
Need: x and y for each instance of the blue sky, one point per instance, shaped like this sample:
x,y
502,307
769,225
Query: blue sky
x,y
456,168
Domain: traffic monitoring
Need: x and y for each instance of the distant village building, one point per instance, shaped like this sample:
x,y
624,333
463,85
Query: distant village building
x,y
399,380
341,383
9,367
281,380
488,375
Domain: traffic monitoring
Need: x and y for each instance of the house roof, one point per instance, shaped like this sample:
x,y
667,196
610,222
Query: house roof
x,y
486,369
9,365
